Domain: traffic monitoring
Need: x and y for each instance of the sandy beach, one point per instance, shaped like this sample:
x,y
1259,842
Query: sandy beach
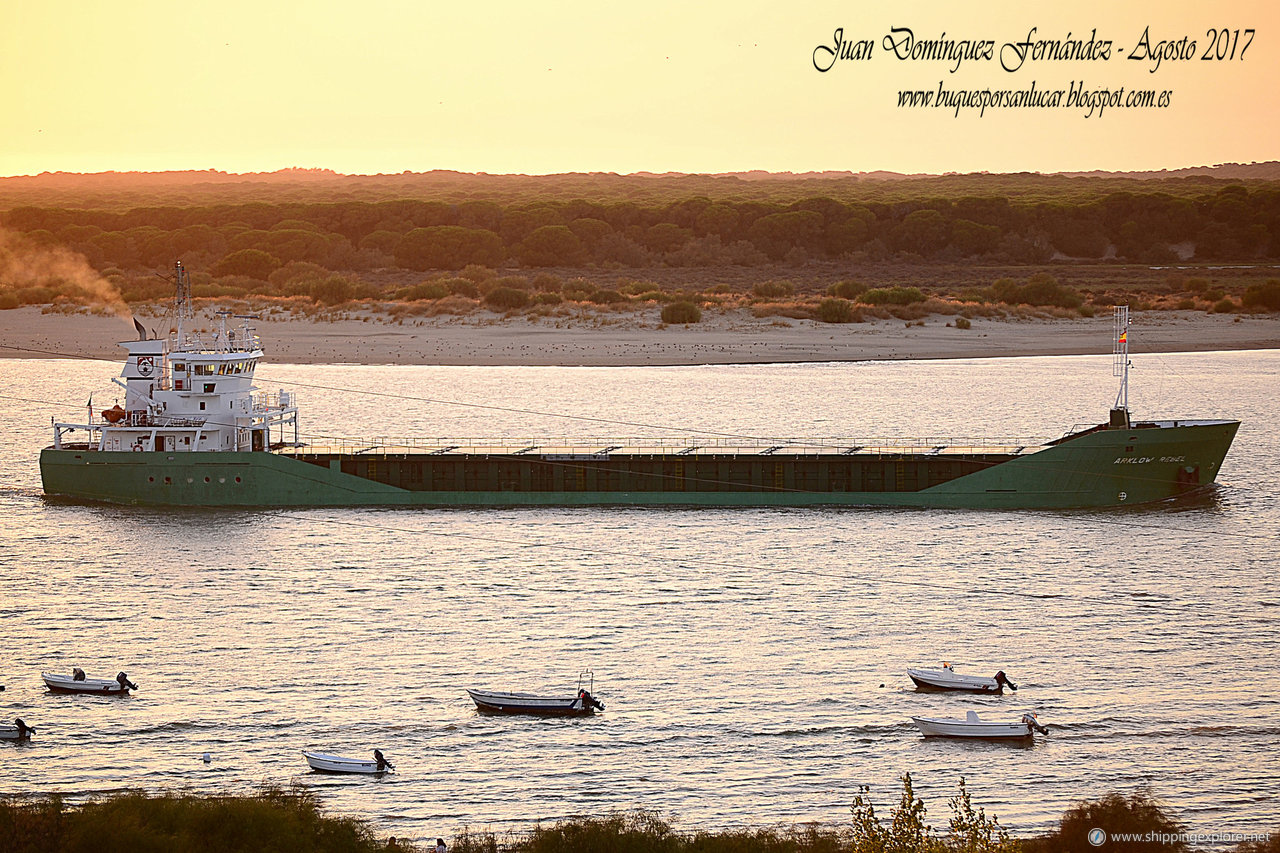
x,y
732,338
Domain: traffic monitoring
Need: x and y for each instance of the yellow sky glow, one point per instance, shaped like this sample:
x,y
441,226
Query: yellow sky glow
x,y
551,87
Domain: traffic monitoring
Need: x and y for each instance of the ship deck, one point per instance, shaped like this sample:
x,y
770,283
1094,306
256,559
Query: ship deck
x,y
602,448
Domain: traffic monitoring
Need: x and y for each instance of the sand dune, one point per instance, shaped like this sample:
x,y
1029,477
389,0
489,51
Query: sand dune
x,y
720,339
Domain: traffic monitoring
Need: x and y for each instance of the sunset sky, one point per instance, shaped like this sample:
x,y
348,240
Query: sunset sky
x,y
555,86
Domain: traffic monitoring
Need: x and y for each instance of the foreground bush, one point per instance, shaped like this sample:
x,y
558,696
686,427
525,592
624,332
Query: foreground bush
x,y
1136,814
906,831
647,832
287,821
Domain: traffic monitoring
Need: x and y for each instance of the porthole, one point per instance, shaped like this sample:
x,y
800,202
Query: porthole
x,y
222,479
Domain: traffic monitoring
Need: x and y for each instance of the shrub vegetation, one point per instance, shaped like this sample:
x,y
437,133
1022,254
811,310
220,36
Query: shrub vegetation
x,y
847,289
835,310
893,296
773,289
287,821
506,298
424,290
291,821
1138,813
1039,289
1262,297
681,312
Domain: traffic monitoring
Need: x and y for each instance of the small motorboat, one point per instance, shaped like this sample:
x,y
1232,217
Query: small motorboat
x,y
337,764
948,679
77,682
497,702
972,726
18,731
500,702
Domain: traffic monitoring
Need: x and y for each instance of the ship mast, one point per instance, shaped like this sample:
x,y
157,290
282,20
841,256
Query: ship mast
x,y
1120,367
182,298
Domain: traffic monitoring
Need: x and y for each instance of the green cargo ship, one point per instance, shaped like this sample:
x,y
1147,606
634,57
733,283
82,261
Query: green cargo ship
x,y
194,433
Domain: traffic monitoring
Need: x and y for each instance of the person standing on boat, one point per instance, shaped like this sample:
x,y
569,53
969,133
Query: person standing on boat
x,y
77,674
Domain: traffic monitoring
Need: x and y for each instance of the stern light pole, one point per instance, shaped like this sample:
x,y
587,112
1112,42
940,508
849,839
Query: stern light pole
x,y
1120,367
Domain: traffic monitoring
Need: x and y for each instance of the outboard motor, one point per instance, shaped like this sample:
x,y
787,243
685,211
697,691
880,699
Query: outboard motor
x,y
125,682
1033,723
381,759
589,701
1002,680
24,731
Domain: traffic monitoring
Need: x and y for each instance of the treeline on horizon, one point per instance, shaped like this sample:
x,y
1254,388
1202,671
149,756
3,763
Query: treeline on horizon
x,y
1230,224
774,224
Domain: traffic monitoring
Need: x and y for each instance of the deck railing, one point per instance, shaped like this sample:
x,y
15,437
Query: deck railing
x,y
594,446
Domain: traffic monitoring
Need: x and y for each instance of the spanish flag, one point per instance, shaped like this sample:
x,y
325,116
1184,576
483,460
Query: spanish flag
x,y
1124,337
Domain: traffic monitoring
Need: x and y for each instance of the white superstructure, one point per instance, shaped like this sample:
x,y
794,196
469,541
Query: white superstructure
x,y
189,394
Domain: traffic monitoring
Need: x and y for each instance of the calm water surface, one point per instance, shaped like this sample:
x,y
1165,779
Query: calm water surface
x,y
751,660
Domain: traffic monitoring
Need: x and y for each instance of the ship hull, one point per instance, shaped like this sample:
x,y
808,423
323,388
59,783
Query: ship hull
x,y
1101,467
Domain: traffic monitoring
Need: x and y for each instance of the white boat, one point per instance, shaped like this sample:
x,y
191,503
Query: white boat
x,y
948,679
500,702
972,726
338,764
78,682
18,731
563,705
